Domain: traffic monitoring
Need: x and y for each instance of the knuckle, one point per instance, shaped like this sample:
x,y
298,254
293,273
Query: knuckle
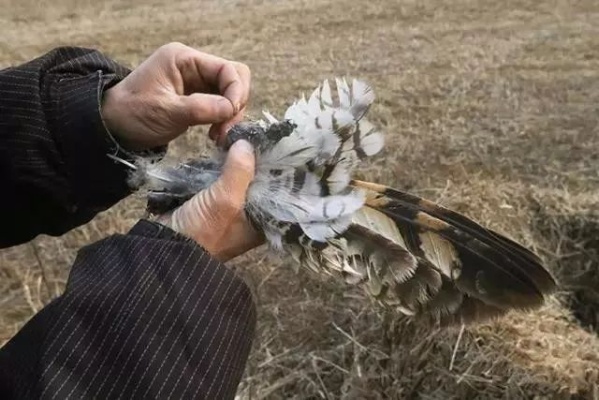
x,y
243,69
221,109
210,111
173,46
228,72
203,112
217,111
198,110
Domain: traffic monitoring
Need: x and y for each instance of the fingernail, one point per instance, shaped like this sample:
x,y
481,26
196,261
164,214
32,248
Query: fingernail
x,y
226,108
234,105
244,146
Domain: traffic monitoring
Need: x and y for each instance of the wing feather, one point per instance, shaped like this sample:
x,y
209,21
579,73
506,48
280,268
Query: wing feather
x,y
463,268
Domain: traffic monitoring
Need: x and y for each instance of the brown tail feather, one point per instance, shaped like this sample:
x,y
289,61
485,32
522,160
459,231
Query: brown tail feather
x,y
493,273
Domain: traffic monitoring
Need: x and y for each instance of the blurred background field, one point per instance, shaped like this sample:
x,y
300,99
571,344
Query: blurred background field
x,y
489,107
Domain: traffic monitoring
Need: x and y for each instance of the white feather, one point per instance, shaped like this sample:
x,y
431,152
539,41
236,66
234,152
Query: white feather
x,y
344,93
325,134
325,94
322,231
298,112
329,145
362,98
304,206
314,102
340,176
291,151
371,140
274,238
269,117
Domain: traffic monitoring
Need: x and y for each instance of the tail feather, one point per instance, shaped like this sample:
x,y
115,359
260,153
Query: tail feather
x,y
427,260
470,310
465,226
417,291
491,272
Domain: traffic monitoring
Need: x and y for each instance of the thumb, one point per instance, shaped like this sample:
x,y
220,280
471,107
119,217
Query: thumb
x,y
238,171
221,202
203,108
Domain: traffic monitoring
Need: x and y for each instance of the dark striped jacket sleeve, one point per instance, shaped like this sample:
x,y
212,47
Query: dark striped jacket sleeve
x,y
147,315
53,144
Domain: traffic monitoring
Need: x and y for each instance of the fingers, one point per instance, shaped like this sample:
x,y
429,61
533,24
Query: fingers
x,y
201,71
218,132
215,217
201,108
245,76
231,84
222,74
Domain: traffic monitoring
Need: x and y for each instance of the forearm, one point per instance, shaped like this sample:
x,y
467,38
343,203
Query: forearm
x,y
53,144
144,315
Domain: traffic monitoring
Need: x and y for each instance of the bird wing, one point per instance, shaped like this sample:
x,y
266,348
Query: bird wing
x,y
461,270
408,253
420,258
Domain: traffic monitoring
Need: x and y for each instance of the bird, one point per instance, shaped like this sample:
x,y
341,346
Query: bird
x,y
408,254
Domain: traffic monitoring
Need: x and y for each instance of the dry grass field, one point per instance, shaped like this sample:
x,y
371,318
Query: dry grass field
x,y
490,107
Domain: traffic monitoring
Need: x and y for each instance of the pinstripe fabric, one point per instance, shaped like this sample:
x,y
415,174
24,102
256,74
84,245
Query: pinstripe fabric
x,y
144,315
53,143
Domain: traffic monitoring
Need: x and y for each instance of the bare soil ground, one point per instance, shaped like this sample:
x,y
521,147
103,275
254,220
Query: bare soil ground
x,y
490,107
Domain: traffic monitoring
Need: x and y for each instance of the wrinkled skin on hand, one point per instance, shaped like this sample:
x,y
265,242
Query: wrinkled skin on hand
x,y
175,88
215,218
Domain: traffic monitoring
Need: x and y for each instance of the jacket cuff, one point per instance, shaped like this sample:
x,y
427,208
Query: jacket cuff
x,y
155,230
97,181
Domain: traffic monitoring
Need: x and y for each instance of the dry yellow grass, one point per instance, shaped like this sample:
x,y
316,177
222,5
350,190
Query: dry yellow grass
x,y
491,108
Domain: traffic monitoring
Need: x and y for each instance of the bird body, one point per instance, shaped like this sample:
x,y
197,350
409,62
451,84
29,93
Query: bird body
x,y
406,252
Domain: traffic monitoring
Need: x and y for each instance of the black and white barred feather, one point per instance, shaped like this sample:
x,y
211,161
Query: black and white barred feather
x,y
408,253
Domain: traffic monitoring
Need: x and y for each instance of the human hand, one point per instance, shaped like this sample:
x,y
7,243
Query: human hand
x,y
215,217
175,88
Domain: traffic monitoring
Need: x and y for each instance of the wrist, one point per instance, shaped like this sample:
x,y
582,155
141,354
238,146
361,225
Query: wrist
x,y
112,110
168,221
109,109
